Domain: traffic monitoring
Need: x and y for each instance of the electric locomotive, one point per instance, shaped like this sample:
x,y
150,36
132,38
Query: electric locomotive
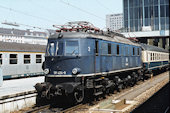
x,y
82,61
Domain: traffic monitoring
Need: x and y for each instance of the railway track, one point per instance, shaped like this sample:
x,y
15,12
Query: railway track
x,y
129,93
38,109
48,109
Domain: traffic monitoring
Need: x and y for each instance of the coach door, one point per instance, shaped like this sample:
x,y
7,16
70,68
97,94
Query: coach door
x,y
97,57
1,76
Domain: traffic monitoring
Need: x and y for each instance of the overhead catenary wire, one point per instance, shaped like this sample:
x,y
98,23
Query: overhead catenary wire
x,y
20,24
85,11
104,6
47,9
17,11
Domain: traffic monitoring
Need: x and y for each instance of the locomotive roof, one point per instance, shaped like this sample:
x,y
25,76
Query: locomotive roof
x,y
20,47
109,37
152,48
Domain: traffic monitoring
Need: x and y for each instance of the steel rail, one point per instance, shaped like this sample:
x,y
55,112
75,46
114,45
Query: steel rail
x,y
38,109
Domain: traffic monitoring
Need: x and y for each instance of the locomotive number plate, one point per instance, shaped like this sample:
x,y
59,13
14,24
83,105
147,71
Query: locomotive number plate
x,y
60,72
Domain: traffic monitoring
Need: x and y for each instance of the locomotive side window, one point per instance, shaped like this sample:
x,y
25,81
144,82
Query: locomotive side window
x,y
97,47
0,59
122,48
13,59
72,48
38,58
27,59
109,48
130,51
126,51
104,49
138,52
117,49
113,49
133,51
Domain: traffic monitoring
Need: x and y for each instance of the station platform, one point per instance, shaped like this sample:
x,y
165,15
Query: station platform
x,y
15,86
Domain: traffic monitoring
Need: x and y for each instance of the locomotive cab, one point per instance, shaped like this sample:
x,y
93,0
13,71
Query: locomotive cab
x,y
69,56
61,55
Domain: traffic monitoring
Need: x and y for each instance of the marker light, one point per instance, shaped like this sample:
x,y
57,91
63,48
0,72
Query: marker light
x,y
76,71
46,71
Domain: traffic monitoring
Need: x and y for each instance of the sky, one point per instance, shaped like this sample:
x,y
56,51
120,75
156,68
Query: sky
x,y
45,13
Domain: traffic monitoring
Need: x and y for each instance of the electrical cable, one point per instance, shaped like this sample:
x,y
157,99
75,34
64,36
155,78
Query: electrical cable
x,y
104,6
66,3
17,11
48,9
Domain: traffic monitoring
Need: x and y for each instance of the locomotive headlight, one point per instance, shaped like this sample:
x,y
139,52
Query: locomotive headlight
x,y
46,71
76,71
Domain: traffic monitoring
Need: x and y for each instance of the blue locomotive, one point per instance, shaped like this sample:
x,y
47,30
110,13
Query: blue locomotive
x,y
85,62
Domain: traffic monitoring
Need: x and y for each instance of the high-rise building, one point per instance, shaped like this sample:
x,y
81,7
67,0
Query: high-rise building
x,y
114,21
147,20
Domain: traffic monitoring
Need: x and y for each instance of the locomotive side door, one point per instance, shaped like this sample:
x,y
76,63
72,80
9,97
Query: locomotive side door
x,y
97,57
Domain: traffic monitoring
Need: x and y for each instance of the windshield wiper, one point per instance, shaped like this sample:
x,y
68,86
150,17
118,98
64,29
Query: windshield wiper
x,y
74,51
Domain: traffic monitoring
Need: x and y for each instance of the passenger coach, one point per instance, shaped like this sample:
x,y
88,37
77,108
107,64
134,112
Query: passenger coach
x,y
154,58
21,60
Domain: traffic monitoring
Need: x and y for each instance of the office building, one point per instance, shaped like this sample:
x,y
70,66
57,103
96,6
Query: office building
x,y
148,21
114,21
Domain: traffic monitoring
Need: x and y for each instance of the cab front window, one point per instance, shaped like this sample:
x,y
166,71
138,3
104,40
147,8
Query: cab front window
x,y
59,48
72,48
51,49
55,48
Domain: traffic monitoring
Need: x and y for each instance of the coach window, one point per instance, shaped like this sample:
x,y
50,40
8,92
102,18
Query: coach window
x,y
109,49
117,49
133,51
38,59
151,56
13,59
27,59
155,56
0,59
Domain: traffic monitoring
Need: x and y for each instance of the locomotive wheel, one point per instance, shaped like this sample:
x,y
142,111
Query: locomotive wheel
x,y
40,101
79,94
